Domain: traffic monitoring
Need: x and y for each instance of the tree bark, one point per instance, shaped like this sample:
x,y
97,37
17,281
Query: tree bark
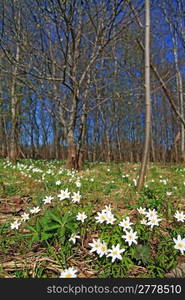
x,y
179,85
71,152
13,151
147,97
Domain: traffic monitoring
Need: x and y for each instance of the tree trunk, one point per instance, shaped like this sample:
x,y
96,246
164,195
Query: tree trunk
x,y
147,97
13,152
80,151
71,162
14,124
182,125
179,85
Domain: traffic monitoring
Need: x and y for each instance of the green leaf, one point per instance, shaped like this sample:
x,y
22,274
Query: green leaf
x,y
35,238
54,217
61,231
38,226
51,226
31,228
70,226
142,253
45,236
67,218
45,220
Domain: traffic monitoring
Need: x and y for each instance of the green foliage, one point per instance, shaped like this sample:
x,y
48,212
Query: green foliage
x,y
142,254
51,225
52,228
108,189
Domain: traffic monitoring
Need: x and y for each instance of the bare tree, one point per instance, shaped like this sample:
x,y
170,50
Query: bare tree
x,y
178,78
72,80
147,97
13,152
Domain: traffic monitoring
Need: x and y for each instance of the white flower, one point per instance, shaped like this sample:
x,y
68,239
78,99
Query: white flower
x,y
47,199
179,244
48,172
151,213
81,217
115,252
35,210
58,182
102,250
164,181
95,245
125,223
108,170
110,218
153,221
124,176
25,217
130,237
141,210
78,183
69,273
92,179
168,193
107,209
76,197
101,217
144,221
15,224
180,216
64,194
74,237
135,182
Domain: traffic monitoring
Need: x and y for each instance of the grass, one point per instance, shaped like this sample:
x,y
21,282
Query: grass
x,y
41,247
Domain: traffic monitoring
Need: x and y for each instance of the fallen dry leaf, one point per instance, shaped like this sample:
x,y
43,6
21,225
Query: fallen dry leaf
x,y
137,270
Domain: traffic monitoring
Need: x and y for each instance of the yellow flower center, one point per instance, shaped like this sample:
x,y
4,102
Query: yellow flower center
x,y
180,245
103,248
68,275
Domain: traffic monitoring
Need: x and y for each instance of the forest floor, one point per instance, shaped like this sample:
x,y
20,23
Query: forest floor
x,y
51,218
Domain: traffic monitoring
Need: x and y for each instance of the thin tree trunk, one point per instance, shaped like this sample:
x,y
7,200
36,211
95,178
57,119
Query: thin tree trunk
x,y
118,145
182,125
13,152
80,152
147,97
152,144
14,123
179,84
2,130
155,72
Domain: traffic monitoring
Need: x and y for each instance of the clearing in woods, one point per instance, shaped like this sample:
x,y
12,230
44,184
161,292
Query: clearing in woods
x,y
52,219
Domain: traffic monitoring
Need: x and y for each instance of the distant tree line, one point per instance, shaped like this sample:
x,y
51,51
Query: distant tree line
x,y
72,80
